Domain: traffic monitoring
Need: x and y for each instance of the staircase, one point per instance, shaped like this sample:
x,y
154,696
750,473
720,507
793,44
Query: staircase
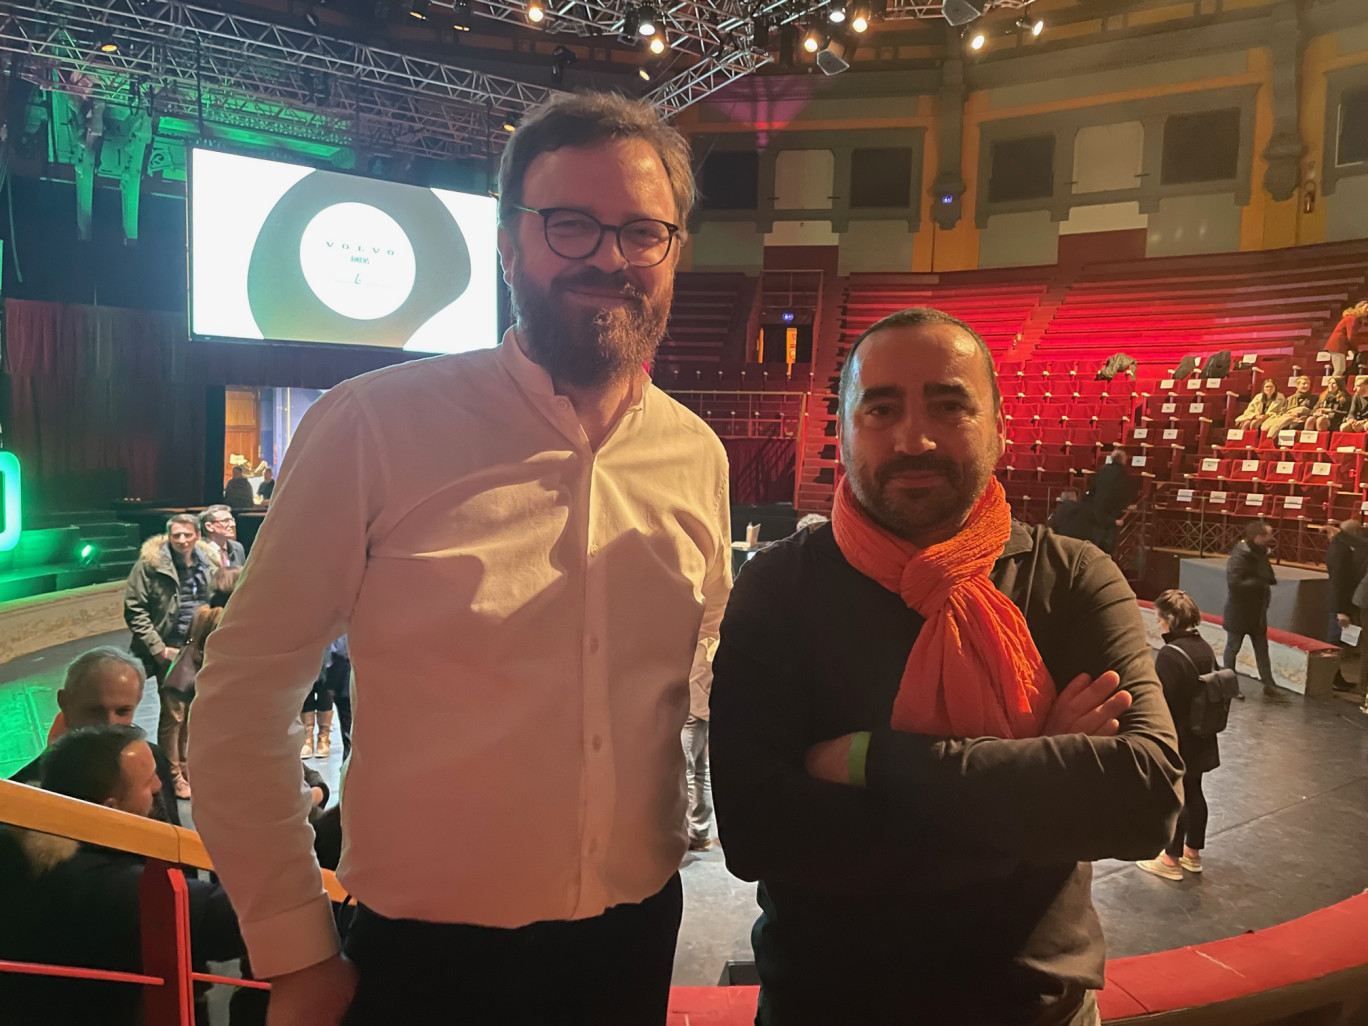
x,y
47,558
817,456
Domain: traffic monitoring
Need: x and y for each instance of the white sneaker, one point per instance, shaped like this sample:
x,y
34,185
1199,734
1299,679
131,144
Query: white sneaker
x,y
1159,867
1192,865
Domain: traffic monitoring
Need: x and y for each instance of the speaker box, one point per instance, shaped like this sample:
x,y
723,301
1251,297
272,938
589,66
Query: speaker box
x,y
835,58
961,12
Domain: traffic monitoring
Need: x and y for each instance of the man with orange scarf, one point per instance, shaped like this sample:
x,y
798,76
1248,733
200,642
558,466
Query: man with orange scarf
x,y
917,773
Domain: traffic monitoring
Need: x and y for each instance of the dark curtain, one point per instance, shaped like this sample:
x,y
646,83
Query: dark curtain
x,y
100,390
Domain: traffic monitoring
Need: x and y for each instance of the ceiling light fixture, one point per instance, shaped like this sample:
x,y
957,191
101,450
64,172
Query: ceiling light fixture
x,y
1034,26
836,13
859,18
814,40
977,40
535,12
646,24
658,44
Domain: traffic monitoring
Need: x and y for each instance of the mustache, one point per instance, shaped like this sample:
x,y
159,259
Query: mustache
x,y
593,278
928,463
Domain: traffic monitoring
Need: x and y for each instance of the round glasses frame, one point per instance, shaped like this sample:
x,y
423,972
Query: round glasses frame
x,y
617,229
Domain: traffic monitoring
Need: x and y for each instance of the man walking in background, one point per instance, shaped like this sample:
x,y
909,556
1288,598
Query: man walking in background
x,y
1249,590
542,544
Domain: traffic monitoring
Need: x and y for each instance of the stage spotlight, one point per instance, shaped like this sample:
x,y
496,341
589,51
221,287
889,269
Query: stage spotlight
x,y
859,18
535,12
88,555
1034,26
460,15
631,24
311,17
760,34
105,41
657,44
835,58
977,40
509,125
836,14
643,74
647,22
814,40
419,9
961,12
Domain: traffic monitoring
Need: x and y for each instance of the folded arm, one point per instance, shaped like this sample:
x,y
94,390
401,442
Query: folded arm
x,y
1069,797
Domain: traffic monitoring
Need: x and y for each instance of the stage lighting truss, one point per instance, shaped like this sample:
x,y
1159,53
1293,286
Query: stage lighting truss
x,y
195,62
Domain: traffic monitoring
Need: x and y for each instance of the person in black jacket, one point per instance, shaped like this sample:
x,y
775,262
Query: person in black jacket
x,y
1249,589
1184,657
218,527
1332,408
65,902
1346,562
1111,492
949,878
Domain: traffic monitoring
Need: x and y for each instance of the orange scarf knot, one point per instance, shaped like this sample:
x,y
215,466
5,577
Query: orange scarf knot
x,y
974,670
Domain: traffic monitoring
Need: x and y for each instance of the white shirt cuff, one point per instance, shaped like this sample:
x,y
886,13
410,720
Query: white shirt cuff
x,y
292,940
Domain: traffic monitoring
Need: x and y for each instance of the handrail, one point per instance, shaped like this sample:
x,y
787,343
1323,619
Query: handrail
x,y
48,813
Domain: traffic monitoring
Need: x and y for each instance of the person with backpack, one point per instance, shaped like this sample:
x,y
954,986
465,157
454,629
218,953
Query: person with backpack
x,y
1198,694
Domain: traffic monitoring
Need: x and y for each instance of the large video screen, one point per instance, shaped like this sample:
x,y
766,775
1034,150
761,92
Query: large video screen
x,y
287,253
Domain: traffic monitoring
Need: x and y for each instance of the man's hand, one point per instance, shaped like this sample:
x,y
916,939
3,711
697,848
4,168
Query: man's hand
x,y
317,996
830,760
1088,707
168,655
1343,620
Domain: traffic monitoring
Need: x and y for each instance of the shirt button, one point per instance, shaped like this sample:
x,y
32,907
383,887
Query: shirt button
x,y
593,644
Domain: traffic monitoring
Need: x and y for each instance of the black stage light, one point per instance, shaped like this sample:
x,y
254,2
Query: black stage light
x,y
760,34
961,12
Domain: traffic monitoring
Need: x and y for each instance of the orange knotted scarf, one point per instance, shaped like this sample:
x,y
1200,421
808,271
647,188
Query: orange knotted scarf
x,y
974,670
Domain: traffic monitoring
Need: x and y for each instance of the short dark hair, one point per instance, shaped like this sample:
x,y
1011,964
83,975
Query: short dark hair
x,y
85,763
1254,528
587,119
184,518
212,511
916,317
1178,609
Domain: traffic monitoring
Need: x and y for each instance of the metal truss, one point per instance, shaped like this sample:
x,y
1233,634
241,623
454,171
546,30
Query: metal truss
x,y
219,68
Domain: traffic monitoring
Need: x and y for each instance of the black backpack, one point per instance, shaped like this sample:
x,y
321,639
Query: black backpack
x,y
1210,707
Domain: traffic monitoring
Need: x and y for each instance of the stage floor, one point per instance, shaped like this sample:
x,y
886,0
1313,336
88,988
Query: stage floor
x,y
1289,826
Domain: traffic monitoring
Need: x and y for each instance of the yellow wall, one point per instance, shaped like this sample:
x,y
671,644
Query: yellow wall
x,y
1265,224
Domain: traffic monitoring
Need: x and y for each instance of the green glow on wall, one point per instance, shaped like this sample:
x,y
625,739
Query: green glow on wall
x,y
9,501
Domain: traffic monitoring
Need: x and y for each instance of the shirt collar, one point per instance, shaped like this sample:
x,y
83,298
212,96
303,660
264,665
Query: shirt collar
x,y
534,379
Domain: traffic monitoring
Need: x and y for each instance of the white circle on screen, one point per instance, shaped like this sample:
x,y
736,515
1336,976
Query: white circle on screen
x,y
357,260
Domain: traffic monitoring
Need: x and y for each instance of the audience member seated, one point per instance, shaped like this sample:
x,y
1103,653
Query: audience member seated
x,y
1330,411
237,493
267,485
103,687
1345,338
1298,408
65,902
1268,403
1356,419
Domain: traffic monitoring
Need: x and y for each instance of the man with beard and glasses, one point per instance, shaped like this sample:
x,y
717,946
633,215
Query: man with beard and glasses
x,y
537,566
927,719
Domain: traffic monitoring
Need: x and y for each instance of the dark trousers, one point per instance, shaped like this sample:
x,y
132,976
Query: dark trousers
x,y
612,970
1234,642
1192,821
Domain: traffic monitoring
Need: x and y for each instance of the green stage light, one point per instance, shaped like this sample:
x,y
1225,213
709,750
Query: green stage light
x,y
88,555
10,509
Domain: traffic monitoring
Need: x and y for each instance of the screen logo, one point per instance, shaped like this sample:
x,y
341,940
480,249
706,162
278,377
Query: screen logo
x,y
357,261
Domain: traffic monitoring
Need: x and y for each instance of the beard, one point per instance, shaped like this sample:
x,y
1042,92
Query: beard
x,y
589,348
912,513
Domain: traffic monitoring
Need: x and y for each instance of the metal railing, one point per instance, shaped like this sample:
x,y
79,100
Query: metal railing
x,y
167,976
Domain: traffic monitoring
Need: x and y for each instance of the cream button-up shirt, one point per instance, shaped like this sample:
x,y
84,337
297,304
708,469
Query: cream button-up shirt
x,y
524,614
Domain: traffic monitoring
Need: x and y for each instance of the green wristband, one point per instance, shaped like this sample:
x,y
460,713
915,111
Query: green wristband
x,y
855,764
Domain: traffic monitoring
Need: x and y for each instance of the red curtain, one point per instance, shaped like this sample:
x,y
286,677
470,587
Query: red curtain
x,y
105,389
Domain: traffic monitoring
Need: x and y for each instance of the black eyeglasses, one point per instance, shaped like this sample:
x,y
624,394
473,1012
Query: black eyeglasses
x,y
575,235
